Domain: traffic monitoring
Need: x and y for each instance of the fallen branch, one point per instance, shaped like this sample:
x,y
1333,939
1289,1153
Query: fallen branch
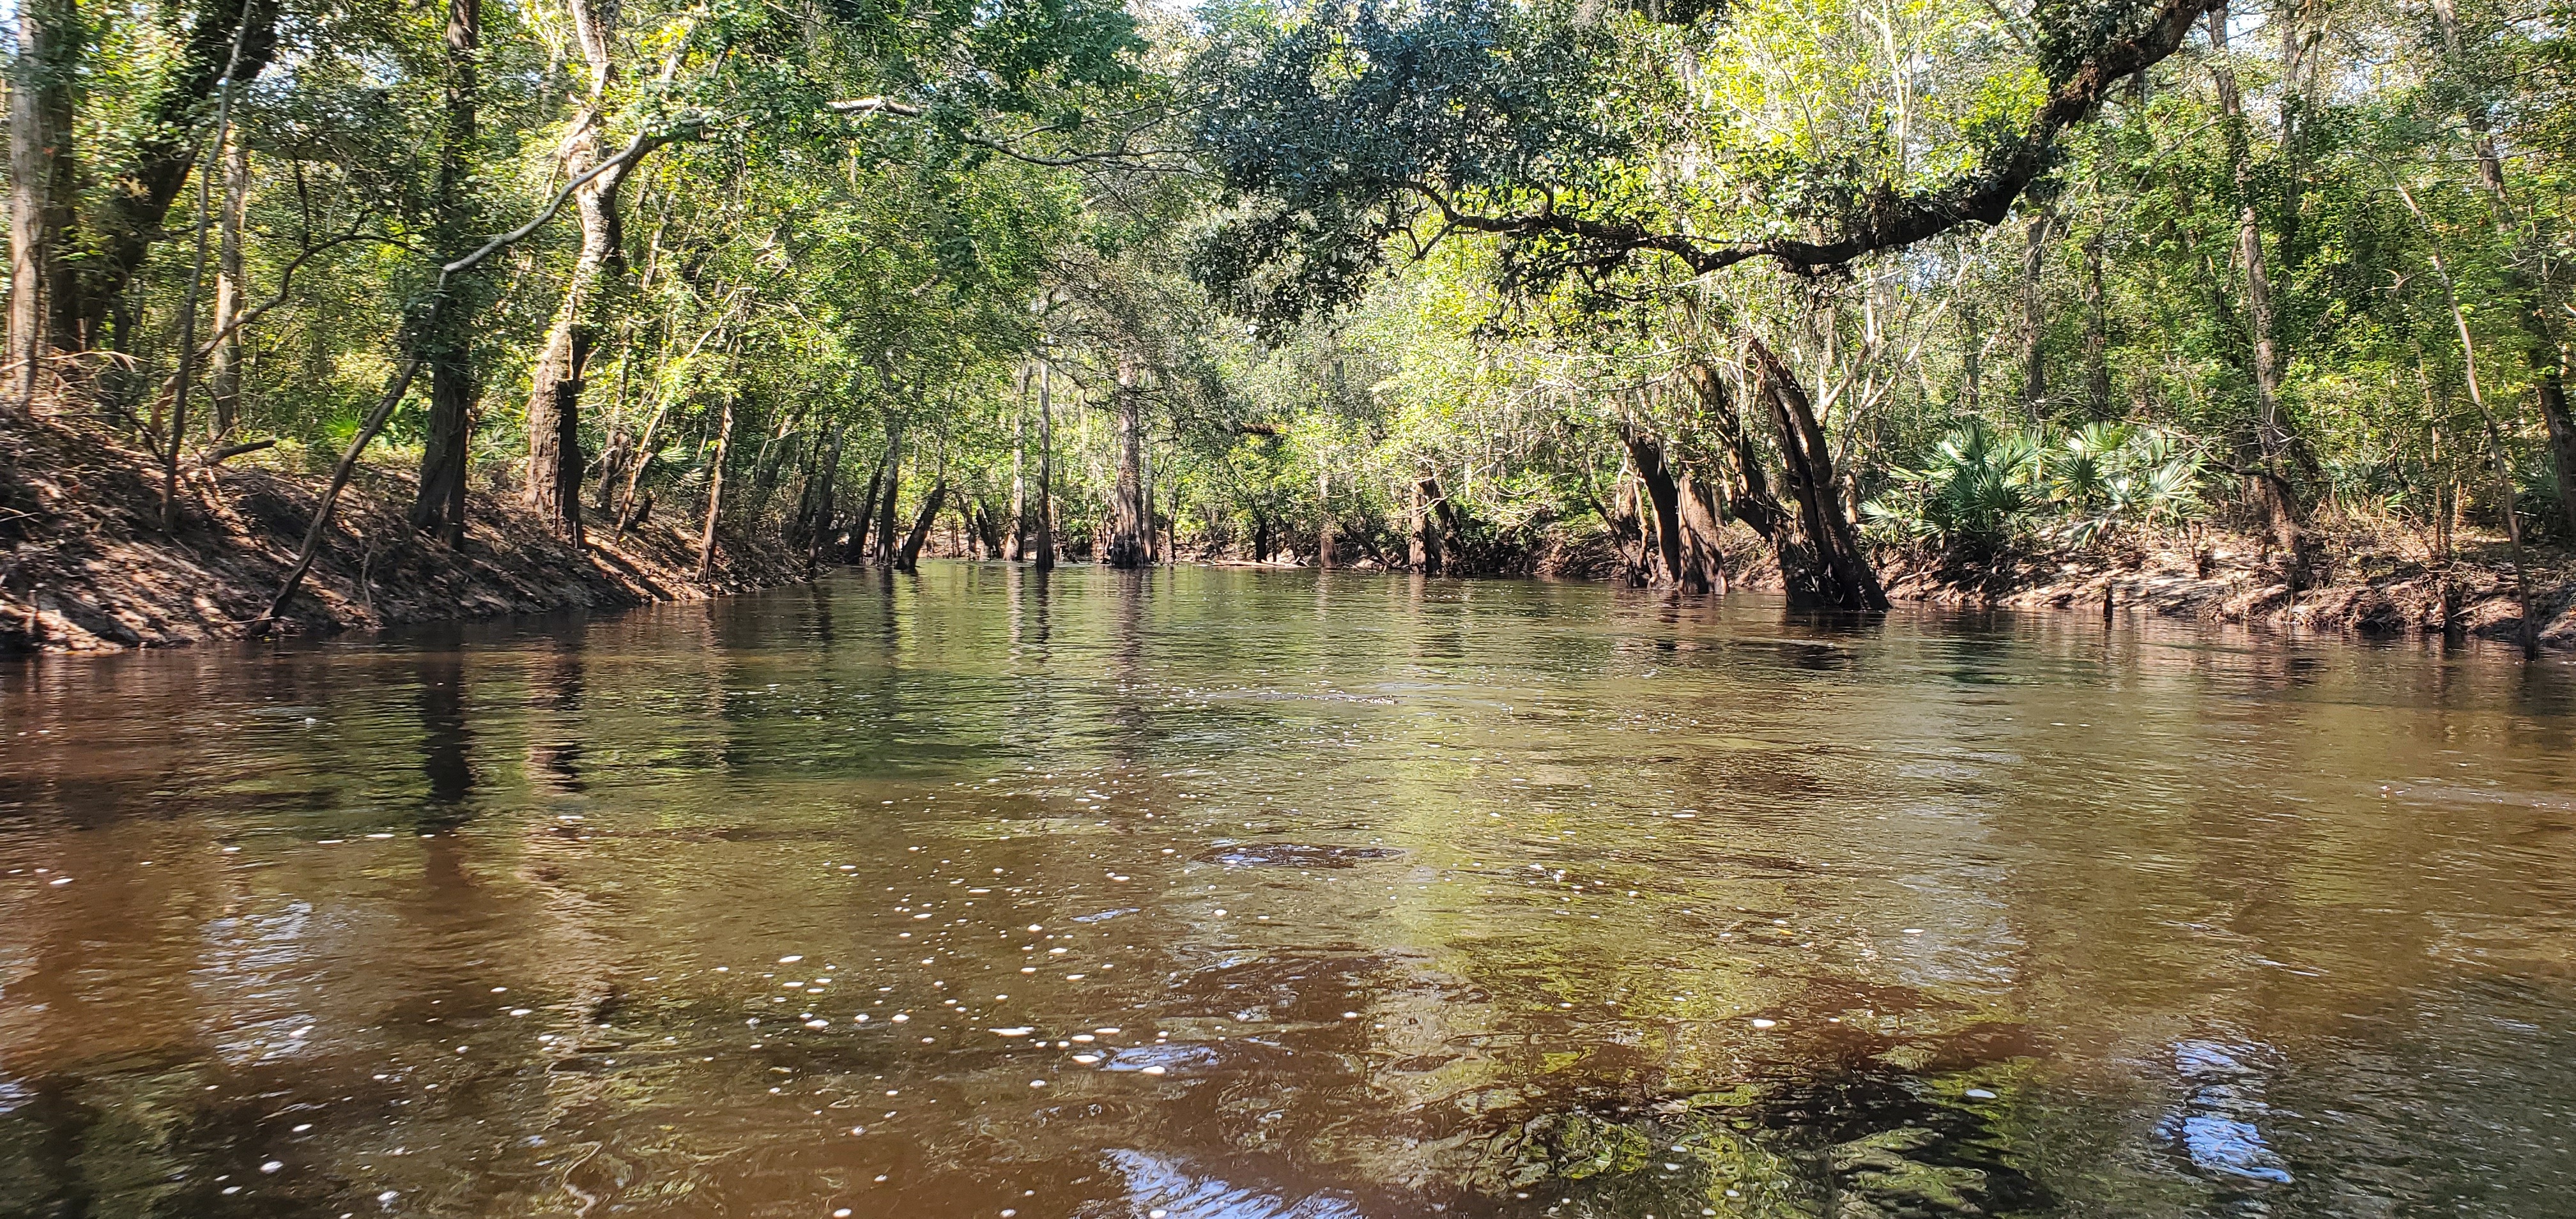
x,y
375,423
230,451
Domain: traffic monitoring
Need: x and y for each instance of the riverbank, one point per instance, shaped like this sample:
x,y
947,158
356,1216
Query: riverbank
x,y
86,567
2369,585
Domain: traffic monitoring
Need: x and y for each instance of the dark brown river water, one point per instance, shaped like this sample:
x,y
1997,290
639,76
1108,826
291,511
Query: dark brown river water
x,y
1224,895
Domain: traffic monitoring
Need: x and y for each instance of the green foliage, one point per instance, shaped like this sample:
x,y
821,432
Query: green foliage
x,y
1343,249
1982,486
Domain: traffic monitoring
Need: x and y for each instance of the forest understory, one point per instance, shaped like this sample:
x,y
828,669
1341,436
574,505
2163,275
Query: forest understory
x,y
86,567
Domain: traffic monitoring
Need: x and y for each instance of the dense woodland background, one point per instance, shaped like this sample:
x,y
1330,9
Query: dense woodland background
x,y
1781,290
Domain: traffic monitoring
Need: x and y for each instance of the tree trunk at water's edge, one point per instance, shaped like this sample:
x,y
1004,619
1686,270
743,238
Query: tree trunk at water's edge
x,y
856,552
882,550
1045,523
1663,493
1129,514
1703,568
715,494
1843,575
1426,547
1324,521
909,558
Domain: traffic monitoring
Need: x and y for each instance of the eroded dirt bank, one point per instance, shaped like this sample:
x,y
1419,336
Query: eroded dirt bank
x,y
86,566
2359,588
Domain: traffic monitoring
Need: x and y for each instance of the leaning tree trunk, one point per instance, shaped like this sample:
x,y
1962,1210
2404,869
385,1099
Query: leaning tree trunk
x,y
857,550
1844,576
131,213
989,523
1748,497
1663,493
909,557
1129,515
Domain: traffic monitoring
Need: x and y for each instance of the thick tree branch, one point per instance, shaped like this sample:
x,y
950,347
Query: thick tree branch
x,y
1888,219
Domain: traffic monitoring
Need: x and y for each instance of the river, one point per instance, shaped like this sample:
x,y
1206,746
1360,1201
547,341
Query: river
x,y
1206,894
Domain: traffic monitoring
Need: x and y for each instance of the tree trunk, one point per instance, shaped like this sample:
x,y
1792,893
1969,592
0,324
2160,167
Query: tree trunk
x,y
2097,338
640,462
1749,499
2034,314
1427,546
769,467
2271,432
1972,358
884,552
1128,510
438,506
554,393
1628,530
1046,469
908,559
1663,493
1844,574
814,500
395,388
2546,352
1324,518
857,550
223,375
41,190
1702,570
2496,454
988,526
135,205
715,494
176,433
1019,480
